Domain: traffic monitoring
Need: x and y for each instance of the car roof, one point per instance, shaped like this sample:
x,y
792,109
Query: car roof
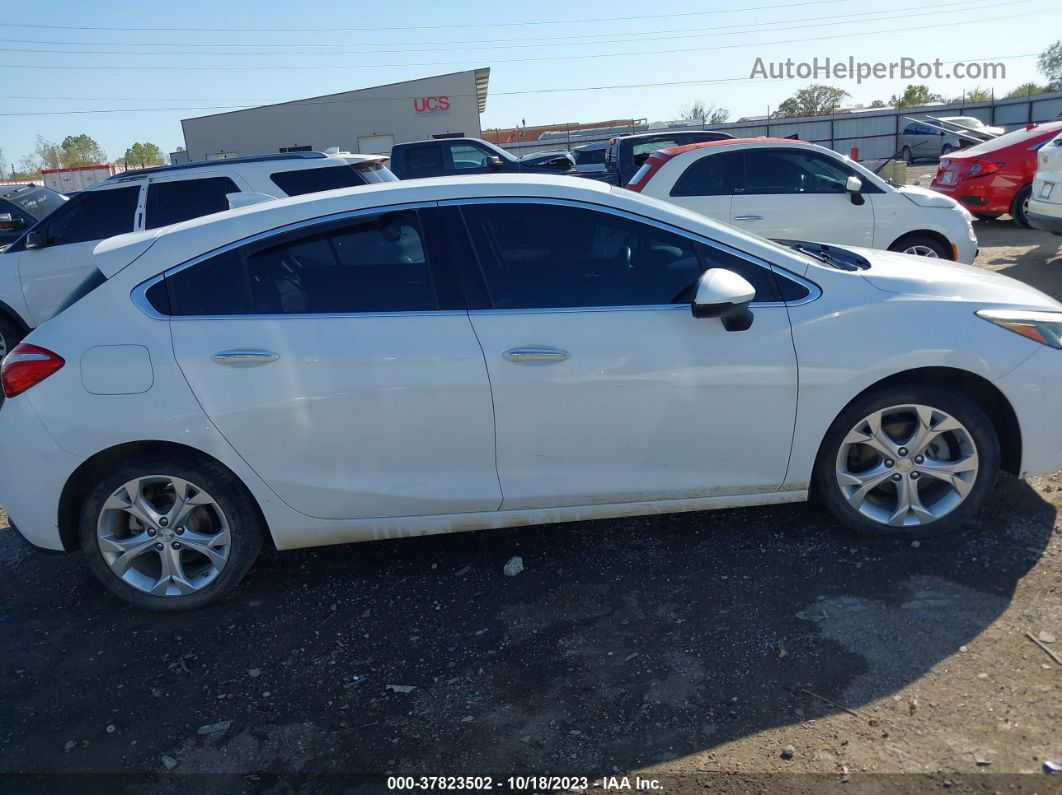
x,y
11,190
671,151
1019,137
235,161
172,245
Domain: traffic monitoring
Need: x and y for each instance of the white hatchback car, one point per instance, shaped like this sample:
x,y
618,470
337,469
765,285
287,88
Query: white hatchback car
x,y
1045,201
463,353
781,188
49,265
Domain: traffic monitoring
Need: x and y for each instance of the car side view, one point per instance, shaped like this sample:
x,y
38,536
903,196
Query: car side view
x,y
457,354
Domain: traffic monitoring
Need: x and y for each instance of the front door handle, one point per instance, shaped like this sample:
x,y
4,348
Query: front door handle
x,y
535,355
244,357
748,217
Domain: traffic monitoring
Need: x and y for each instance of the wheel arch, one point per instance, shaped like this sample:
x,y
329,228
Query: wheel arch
x,y
994,403
81,480
930,233
14,317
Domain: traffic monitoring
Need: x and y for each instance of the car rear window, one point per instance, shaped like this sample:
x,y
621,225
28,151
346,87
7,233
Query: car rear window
x,y
1044,131
310,180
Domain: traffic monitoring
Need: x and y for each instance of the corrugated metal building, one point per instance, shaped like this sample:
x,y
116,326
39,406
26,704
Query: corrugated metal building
x,y
369,120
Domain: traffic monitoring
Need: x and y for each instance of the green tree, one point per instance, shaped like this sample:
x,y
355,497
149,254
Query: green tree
x,y
81,150
1050,64
709,112
913,96
815,100
877,103
1027,89
975,94
142,155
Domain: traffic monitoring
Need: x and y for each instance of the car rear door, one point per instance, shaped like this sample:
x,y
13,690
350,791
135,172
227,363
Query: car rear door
x,y
340,362
798,193
606,388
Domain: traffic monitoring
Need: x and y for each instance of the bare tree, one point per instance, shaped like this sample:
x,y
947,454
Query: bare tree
x,y
709,112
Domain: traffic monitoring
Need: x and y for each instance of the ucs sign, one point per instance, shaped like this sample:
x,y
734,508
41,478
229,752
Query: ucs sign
x,y
430,104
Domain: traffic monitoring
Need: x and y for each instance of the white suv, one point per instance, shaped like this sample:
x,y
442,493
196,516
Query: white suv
x,y
781,188
52,263
1045,202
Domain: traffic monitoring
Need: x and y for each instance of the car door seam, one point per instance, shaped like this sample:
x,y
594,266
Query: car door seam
x,y
493,409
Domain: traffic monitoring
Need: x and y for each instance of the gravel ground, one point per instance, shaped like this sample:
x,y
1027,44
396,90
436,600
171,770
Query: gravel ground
x,y
692,648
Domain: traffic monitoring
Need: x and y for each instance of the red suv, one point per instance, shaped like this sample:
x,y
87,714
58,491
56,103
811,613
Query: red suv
x,y
995,177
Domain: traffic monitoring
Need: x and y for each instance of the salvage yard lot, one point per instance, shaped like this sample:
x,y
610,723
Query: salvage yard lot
x,y
677,645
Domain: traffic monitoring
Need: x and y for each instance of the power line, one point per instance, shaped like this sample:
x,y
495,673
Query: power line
x,y
426,27
670,83
288,67
942,8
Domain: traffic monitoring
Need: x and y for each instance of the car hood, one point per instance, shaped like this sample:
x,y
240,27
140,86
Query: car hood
x,y
934,278
924,197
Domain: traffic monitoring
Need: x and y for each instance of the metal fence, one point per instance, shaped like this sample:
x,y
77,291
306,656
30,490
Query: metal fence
x,y
875,132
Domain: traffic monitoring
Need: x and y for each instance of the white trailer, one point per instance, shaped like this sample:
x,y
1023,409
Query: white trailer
x,y
71,180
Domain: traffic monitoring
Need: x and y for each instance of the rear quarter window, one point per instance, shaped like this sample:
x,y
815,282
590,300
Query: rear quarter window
x,y
181,200
311,180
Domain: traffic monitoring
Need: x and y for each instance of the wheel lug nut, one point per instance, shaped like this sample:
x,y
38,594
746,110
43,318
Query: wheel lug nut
x,y
180,531
897,476
160,546
151,532
902,451
164,521
914,476
889,462
919,459
176,544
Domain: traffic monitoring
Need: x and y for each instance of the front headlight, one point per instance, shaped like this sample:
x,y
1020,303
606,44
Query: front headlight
x,y
1042,327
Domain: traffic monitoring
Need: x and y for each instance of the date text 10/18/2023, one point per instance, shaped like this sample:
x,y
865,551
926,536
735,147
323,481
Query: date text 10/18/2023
x,y
523,783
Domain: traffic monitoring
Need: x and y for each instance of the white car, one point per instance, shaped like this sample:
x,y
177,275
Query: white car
x,y
1045,201
50,264
782,188
454,354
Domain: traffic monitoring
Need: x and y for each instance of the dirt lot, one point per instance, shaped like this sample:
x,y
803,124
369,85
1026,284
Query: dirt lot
x,y
690,648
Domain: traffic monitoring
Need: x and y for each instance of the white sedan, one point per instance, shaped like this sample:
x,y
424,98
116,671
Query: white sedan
x,y
781,188
456,354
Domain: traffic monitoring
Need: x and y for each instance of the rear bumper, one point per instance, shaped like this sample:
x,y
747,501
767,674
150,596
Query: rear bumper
x,y
33,471
980,200
1045,215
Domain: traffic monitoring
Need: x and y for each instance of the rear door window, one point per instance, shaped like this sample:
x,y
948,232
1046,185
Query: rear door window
x,y
180,200
310,180
94,215
424,160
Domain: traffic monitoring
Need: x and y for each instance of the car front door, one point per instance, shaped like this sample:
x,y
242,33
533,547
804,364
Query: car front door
x,y
340,363
798,193
52,272
606,388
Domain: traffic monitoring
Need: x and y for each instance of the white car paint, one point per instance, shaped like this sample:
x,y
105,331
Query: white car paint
x,y
35,283
652,412
1045,202
888,214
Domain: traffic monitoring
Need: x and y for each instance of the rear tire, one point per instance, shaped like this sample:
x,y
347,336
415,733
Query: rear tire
x,y
145,549
11,334
921,245
944,482
1019,209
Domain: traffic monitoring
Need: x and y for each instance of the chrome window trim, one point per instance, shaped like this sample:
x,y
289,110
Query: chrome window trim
x,y
814,291
139,293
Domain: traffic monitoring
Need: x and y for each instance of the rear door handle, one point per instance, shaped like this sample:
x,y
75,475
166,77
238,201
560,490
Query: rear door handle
x,y
748,217
535,355
244,357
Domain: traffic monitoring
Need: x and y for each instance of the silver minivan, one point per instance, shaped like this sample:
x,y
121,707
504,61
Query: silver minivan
x,y
926,140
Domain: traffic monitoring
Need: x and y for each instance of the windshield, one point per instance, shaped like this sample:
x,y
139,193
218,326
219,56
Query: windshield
x,y
586,157
37,202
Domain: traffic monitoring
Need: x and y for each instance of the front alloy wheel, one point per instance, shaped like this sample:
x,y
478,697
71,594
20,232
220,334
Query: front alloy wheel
x,y
922,250
908,465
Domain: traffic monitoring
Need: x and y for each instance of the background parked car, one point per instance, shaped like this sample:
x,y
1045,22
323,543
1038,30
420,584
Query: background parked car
x,y
1045,201
21,206
995,177
926,140
781,188
50,262
466,156
626,153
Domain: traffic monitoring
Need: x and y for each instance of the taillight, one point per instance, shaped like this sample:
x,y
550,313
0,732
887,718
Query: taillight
x,y
26,366
982,168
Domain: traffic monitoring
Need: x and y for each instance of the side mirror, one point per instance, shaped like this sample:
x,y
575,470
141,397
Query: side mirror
x,y
494,161
854,186
36,239
9,222
726,295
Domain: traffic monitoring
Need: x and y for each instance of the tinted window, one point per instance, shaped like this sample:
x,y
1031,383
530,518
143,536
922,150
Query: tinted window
x,y
37,203
373,266
423,160
311,180
217,286
173,202
792,171
95,215
542,256
468,156
713,175
640,152
588,157
759,277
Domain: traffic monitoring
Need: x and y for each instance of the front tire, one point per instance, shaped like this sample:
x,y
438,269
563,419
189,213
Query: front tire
x,y
1019,210
907,461
169,533
921,245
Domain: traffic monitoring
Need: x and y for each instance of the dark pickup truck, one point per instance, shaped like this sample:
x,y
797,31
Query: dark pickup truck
x,y
461,156
626,153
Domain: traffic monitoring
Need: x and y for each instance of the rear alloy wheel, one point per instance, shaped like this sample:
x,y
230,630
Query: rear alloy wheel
x,y
170,541
946,150
921,246
1019,210
908,462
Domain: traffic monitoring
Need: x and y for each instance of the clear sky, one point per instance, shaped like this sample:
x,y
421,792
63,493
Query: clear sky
x,y
311,48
